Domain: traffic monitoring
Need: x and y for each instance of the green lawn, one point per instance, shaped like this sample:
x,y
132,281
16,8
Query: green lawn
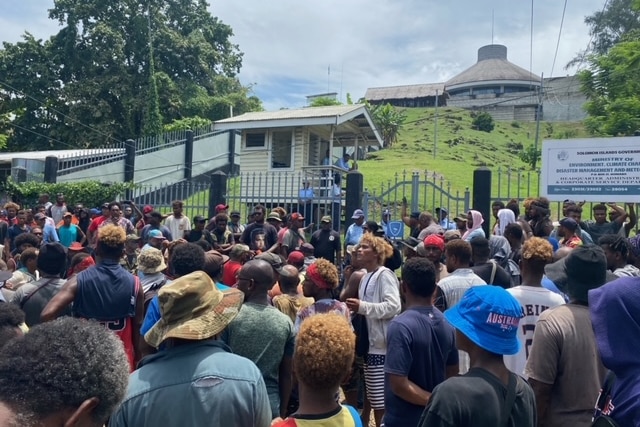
x,y
459,150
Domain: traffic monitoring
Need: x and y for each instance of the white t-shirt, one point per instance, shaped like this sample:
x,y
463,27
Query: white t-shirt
x,y
533,300
177,226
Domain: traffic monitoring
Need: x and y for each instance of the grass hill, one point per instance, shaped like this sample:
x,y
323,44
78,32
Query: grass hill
x,y
460,149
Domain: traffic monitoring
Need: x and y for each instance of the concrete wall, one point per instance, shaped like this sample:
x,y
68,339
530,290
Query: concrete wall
x,y
563,102
109,172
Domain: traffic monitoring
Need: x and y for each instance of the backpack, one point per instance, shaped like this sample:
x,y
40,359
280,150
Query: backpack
x,y
395,262
152,292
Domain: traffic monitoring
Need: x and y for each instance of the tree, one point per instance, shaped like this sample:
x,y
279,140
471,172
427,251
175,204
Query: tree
x,y
93,82
609,26
483,121
324,101
389,122
531,156
612,86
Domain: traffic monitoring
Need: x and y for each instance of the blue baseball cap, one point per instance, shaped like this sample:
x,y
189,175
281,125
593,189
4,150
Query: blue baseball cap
x,y
489,316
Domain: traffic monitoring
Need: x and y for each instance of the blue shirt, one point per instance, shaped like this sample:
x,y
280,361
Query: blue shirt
x,y
306,194
342,164
68,235
423,346
153,311
353,234
195,385
49,234
447,225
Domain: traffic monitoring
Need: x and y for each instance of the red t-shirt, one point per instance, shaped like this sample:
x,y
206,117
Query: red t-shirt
x,y
96,223
230,272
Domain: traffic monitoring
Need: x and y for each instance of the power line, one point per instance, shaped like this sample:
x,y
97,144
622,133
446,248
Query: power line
x,y
564,10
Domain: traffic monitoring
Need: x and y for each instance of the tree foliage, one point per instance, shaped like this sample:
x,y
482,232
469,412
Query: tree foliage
x,y
388,120
612,86
89,193
531,156
609,26
483,121
324,101
93,82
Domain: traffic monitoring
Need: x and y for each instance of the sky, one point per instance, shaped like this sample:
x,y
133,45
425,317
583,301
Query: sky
x,y
295,48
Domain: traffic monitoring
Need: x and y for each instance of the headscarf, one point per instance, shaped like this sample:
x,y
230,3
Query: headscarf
x,y
505,217
314,275
83,265
477,223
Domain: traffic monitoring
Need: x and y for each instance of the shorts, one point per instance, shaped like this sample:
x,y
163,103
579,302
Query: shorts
x,y
374,379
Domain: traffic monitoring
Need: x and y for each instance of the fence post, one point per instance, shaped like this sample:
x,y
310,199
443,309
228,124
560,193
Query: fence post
x,y
217,191
233,169
129,160
51,169
482,195
353,197
467,198
188,155
415,192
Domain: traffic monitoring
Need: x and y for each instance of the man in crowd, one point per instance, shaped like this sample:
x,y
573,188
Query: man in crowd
x,y
423,343
33,297
234,225
153,219
433,248
58,209
343,162
221,236
177,223
486,321
196,380
326,242
258,235
49,234
19,227
263,334
628,225
155,239
567,231
238,255
294,236
354,232
199,232
443,219
119,306
616,250
533,298
68,232
487,270
451,289
305,200
129,258
63,373
116,218
564,368
575,212
600,226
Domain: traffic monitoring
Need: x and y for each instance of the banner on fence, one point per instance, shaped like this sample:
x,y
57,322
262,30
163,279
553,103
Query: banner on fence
x,y
595,170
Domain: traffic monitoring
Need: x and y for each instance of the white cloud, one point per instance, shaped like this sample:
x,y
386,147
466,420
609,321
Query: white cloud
x,y
288,44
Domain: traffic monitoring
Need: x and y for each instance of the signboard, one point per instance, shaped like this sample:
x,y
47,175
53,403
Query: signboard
x,y
395,229
595,170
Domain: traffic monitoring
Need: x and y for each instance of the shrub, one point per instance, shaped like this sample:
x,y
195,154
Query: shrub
x,y
483,122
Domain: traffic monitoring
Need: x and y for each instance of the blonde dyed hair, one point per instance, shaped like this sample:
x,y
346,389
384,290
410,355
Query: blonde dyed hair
x,y
325,348
328,272
380,246
537,250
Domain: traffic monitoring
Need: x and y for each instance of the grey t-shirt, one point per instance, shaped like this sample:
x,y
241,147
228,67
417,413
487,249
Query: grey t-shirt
x,y
45,289
476,399
598,230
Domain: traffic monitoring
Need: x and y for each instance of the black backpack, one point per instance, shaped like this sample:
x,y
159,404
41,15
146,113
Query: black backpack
x,y
152,292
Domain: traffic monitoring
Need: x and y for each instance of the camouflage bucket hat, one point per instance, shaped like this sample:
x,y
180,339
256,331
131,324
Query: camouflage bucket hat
x,y
193,308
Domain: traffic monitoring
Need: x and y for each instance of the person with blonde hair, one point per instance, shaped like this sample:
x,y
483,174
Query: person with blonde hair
x,y
106,293
533,298
379,302
323,357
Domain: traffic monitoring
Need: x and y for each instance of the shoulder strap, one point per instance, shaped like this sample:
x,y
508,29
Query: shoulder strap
x,y
493,271
510,399
356,416
35,291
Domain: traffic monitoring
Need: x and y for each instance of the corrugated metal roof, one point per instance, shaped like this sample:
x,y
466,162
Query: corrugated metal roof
x,y
492,69
404,92
302,113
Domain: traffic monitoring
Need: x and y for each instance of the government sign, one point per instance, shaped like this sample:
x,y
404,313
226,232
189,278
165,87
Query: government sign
x,y
595,170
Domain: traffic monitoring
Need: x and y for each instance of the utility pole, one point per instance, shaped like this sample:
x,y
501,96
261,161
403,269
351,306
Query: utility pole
x,y
435,128
538,114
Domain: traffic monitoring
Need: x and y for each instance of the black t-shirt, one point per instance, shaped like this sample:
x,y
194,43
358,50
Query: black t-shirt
x,y
325,244
259,236
501,278
476,399
195,235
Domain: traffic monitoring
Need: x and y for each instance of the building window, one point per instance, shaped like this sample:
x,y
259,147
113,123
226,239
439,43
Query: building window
x,y
281,149
255,140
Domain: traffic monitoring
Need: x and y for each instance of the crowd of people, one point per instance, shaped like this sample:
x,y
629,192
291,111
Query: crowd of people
x,y
132,317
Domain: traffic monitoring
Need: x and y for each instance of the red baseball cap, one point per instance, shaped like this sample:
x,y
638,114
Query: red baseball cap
x,y
295,257
221,207
147,209
296,216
